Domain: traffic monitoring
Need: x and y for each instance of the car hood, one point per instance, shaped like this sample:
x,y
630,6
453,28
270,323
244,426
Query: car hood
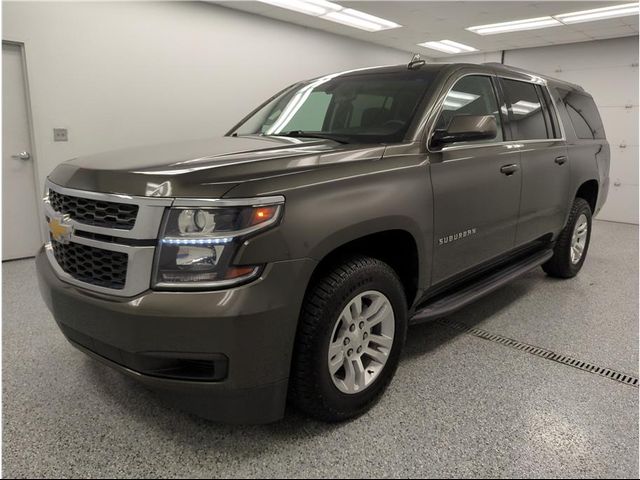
x,y
206,168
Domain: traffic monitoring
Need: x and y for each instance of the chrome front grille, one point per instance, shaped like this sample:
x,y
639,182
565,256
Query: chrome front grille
x,y
112,242
95,212
92,265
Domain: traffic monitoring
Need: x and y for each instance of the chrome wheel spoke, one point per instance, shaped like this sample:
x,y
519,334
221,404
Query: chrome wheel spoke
x,y
349,376
337,363
582,229
355,308
336,349
376,355
379,316
382,341
336,356
360,373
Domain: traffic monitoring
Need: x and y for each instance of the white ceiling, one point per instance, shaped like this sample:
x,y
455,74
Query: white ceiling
x,y
424,21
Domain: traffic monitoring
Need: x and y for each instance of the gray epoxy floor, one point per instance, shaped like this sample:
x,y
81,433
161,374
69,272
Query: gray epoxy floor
x,y
459,406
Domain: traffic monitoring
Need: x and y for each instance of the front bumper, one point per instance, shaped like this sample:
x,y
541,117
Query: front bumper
x,y
247,332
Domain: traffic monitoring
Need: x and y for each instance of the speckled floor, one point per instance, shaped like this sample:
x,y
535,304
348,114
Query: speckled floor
x,y
460,406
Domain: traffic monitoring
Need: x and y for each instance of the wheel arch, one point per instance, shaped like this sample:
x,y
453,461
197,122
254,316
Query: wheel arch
x,y
588,191
398,247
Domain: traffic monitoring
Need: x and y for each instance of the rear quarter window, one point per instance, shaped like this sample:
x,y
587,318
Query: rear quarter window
x,y
583,114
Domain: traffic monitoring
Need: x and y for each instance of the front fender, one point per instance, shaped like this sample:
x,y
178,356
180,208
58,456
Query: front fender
x,y
330,207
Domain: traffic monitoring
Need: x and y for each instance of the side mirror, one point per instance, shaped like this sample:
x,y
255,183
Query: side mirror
x,y
466,128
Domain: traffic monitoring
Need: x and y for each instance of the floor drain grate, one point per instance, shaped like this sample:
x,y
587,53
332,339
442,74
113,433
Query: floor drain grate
x,y
544,353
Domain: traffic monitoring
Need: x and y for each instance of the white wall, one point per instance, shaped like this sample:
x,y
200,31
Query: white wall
x,y
608,70
122,74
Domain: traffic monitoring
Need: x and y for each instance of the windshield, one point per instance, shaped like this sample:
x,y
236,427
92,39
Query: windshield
x,y
366,108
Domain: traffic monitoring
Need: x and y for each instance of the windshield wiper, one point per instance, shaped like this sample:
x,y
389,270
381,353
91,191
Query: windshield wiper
x,y
302,133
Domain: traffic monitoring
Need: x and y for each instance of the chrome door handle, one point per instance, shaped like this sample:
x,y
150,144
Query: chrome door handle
x,y
22,156
509,169
561,160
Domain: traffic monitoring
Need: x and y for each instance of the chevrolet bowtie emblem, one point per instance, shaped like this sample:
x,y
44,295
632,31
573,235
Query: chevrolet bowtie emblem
x,y
60,231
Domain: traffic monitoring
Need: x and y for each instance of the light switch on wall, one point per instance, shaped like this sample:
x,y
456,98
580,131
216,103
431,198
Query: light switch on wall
x,y
60,135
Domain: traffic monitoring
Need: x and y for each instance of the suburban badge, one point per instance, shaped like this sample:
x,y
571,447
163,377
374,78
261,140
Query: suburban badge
x,y
456,236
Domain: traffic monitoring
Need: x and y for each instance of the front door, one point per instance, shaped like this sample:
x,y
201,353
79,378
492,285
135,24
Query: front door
x,y
476,186
20,222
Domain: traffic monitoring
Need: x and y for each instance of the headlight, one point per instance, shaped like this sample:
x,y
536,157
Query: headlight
x,y
197,244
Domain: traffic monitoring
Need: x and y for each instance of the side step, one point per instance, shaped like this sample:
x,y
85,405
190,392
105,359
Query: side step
x,y
467,294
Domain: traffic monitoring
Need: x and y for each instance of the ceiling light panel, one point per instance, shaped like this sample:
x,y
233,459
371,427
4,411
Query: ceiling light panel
x,y
515,26
599,13
448,46
461,46
594,14
335,13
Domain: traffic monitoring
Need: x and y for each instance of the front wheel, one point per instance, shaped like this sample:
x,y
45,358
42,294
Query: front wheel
x,y
352,329
571,247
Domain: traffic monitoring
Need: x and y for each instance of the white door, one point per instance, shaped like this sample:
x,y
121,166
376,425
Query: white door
x,y
20,222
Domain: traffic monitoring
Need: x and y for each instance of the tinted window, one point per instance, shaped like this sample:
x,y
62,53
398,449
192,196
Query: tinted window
x,y
525,111
472,95
365,108
309,117
583,114
551,115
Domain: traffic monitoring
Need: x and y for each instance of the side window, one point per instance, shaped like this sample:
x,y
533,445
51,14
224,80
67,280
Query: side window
x,y
580,125
471,95
525,111
583,114
551,113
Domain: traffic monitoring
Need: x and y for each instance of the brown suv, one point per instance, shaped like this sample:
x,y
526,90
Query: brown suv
x,y
286,259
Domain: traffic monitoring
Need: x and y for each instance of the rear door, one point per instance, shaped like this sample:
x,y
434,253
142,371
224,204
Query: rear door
x,y
476,185
546,169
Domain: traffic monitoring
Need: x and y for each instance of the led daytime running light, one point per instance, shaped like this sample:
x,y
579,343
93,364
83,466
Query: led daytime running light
x,y
197,241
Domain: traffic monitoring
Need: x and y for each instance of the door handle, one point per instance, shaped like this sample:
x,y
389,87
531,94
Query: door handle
x,y
561,160
509,169
22,156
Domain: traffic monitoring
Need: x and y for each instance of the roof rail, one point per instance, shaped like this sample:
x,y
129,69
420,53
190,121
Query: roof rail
x,y
529,72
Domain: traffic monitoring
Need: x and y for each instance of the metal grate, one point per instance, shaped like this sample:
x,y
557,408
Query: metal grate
x,y
544,353
95,212
96,266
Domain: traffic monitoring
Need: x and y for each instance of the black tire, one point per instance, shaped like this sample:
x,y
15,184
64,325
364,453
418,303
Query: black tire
x,y
560,265
312,389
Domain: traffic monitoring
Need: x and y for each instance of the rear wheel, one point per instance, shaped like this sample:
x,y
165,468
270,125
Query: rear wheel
x,y
571,247
352,329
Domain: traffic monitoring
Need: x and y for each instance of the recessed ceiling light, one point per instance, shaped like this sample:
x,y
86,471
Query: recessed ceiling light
x,y
385,24
335,13
306,7
599,13
515,26
448,46
461,46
